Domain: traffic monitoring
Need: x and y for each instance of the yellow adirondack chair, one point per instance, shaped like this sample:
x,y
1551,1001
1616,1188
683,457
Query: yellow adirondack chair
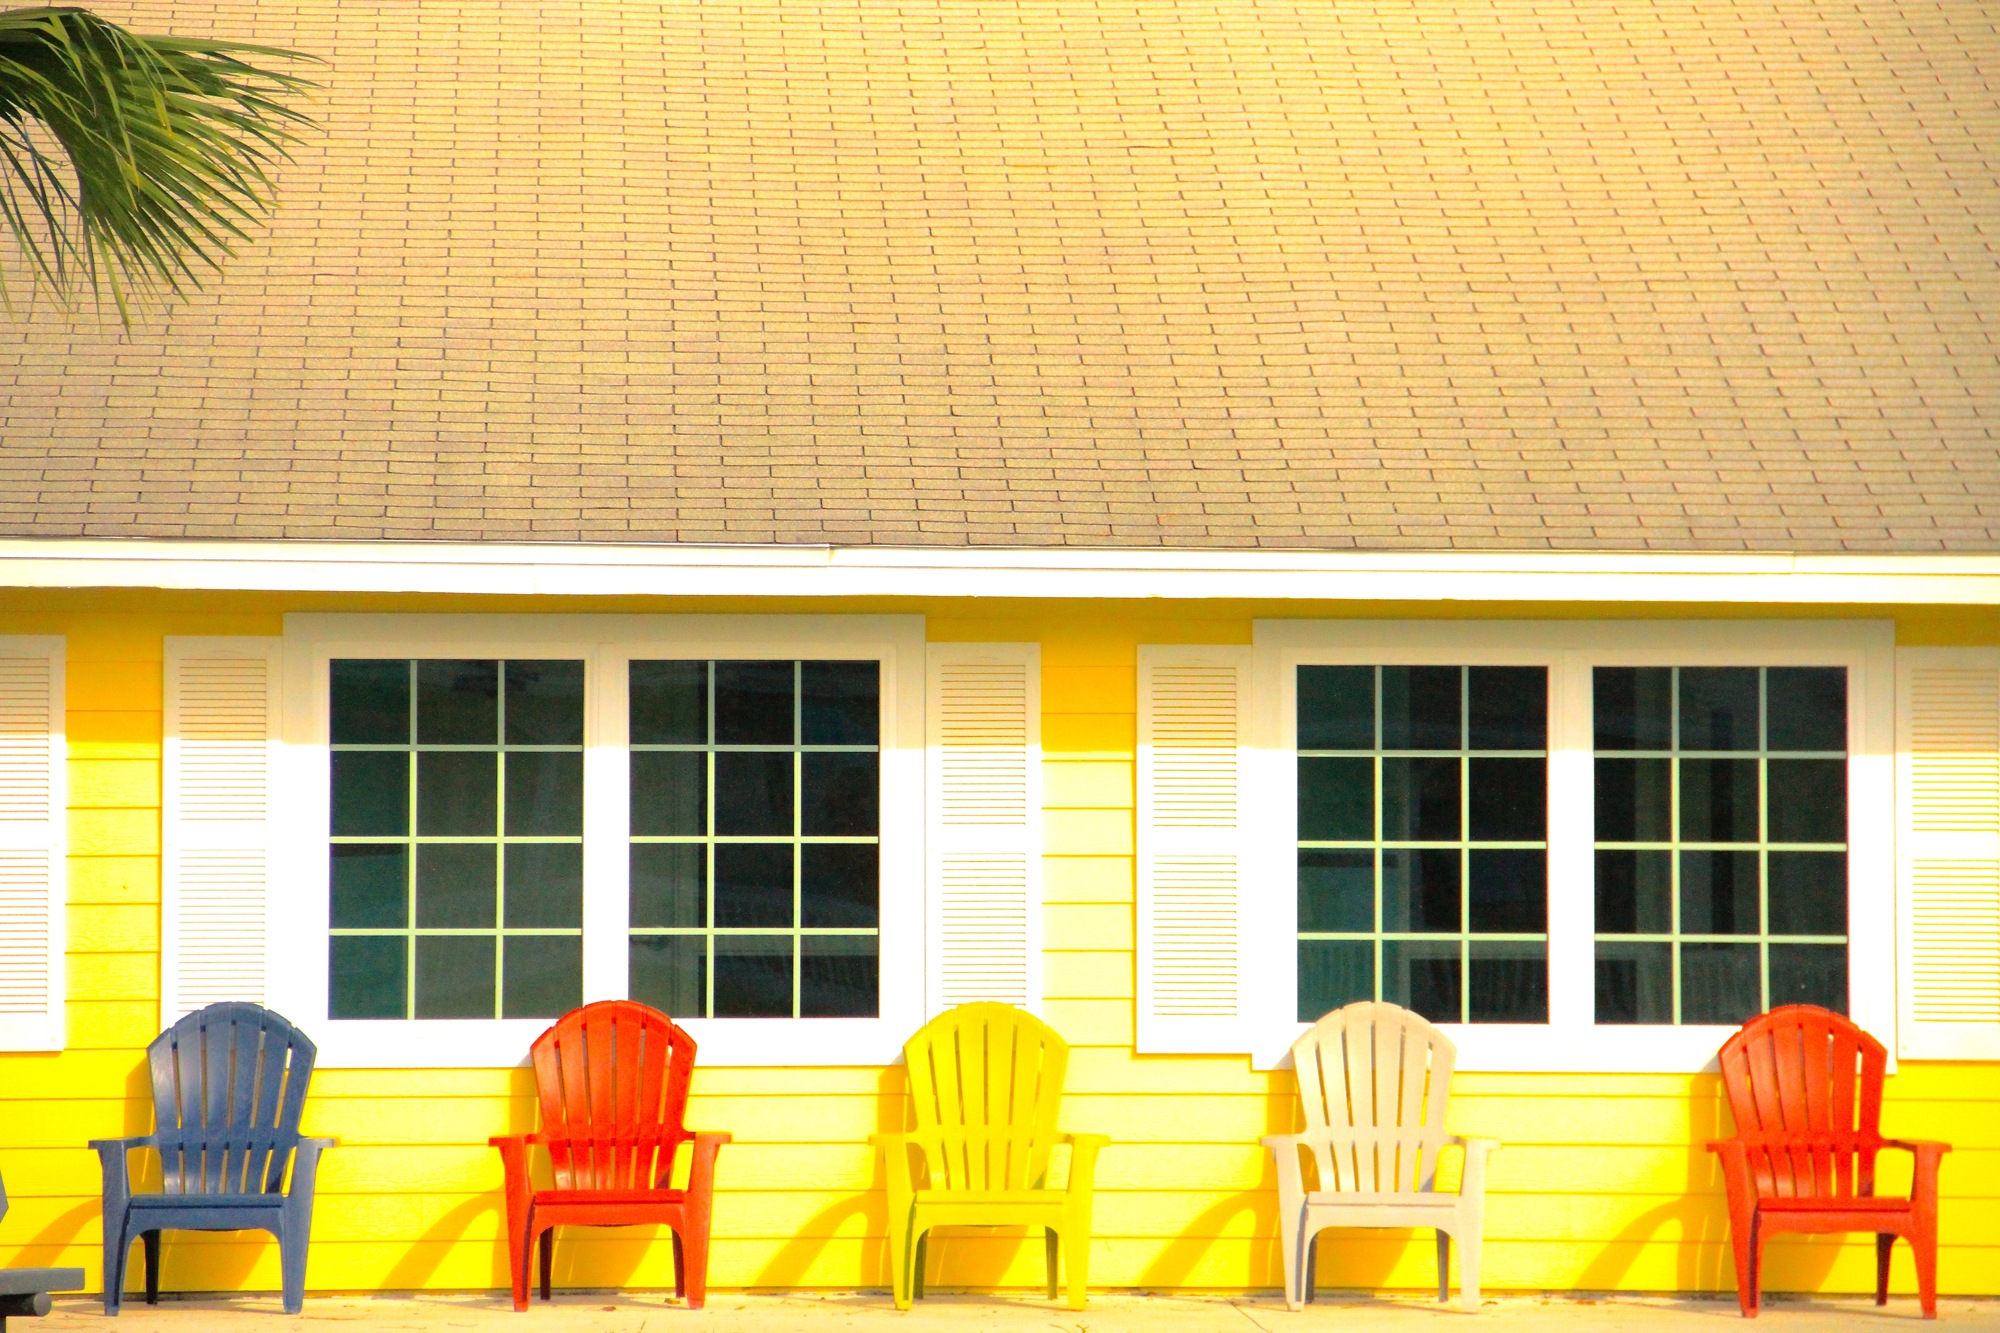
x,y
986,1083
1374,1080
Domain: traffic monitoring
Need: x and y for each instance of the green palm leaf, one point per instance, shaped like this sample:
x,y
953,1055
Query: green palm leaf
x,y
163,141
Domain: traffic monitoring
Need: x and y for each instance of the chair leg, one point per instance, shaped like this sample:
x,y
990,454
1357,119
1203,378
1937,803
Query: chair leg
x,y
545,1247
1051,1249
1470,1246
294,1242
150,1241
680,1266
696,1248
1742,1236
917,1266
1757,1239
1290,1225
1885,1241
1444,1265
520,1242
117,1254
1311,1275
1923,1248
1076,1256
899,1257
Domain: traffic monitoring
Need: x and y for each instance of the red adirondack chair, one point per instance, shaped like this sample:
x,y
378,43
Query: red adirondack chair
x,y
613,1079
1805,1087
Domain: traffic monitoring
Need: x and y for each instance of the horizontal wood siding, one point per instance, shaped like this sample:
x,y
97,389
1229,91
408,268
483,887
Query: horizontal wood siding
x,y
1603,1183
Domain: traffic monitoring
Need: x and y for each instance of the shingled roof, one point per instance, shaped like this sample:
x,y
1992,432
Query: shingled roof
x,y
1691,274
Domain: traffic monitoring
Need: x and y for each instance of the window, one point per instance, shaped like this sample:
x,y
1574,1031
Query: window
x,y
456,885
1589,845
754,846
489,820
1721,841
1422,840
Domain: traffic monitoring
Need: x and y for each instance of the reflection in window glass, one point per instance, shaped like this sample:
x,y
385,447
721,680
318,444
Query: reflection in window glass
x,y
1721,841
1423,840
755,838
457,838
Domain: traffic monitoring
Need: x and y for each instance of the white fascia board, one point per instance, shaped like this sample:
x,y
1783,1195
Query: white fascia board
x,y
553,569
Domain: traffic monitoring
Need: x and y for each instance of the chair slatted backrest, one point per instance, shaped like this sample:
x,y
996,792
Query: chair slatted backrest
x,y
1374,1079
613,1081
229,1085
1805,1088
986,1082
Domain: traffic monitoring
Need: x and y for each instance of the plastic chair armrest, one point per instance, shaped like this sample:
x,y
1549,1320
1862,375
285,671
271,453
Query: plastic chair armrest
x,y
117,1170
1924,1176
1472,1180
1083,1150
701,1165
1291,1177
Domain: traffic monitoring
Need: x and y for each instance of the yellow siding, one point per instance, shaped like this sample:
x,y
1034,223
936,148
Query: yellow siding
x,y
1602,1184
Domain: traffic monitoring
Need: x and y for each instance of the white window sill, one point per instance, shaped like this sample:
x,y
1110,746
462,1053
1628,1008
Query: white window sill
x,y
1523,1048
503,1043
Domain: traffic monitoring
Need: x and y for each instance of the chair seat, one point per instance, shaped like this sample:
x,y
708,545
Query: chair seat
x,y
609,1198
1851,1204
191,1202
1360,1199
984,1198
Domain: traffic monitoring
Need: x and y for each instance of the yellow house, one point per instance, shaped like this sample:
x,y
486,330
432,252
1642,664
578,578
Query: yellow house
x,y
1176,517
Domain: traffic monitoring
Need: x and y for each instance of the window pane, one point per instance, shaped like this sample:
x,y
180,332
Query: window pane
x,y
1420,889
368,976
458,703
1336,708
457,884
457,793
838,794
1718,708
544,976
1420,799
455,976
669,885
1421,708
371,886
1808,894
371,702
753,976
838,884
1634,800
1510,982
1333,973
1809,974
669,793
1509,799
1808,708
1635,983
1423,976
371,793
670,972
840,703
753,703
544,703
545,885
753,884
838,976
1509,891
1337,891
1719,893
669,704
753,793
1808,800
1336,799
544,793
1718,800
1635,893
1632,707
1508,708
1719,983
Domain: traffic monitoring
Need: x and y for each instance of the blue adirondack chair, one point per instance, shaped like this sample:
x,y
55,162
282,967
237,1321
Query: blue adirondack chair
x,y
229,1082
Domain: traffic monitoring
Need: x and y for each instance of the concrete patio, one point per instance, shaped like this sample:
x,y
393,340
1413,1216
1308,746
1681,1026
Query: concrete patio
x,y
843,1311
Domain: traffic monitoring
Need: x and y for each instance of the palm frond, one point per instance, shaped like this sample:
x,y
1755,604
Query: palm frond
x,y
131,163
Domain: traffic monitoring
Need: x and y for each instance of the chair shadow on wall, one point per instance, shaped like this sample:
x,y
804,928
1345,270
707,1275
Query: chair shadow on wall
x,y
1702,1261
792,1265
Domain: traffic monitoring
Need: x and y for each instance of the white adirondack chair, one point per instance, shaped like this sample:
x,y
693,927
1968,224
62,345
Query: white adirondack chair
x,y
1375,1079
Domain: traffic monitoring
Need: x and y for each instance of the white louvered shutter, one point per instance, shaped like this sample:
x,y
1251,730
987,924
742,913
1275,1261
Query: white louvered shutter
x,y
1192,715
33,814
221,727
983,843
1948,853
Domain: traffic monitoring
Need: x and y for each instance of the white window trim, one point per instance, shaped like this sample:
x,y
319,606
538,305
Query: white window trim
x,y
298,908
1571,1041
